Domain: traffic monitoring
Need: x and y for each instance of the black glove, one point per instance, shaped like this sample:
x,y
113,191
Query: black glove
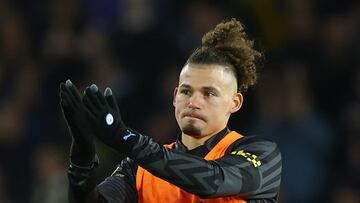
x,y
109,126
82,150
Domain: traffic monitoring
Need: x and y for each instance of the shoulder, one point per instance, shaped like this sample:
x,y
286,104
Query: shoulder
x,y
254,143
262,153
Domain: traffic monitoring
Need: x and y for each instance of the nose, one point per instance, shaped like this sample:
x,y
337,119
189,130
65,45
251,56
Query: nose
x,y
194,101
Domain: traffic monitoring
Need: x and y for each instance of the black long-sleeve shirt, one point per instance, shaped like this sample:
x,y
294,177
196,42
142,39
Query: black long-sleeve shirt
x,y
250,168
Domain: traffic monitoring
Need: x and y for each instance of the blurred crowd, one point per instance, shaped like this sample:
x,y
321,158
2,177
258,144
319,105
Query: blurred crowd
x,y
307,98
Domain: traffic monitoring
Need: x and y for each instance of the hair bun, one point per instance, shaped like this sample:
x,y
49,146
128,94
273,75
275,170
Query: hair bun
x,y
228,44
225,34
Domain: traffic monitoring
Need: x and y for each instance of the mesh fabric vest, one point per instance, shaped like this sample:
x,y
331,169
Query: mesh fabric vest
x,y
152,189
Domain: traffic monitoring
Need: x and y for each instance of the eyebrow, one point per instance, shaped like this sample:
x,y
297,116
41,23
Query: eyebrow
x,y
185,86
209,88
213,89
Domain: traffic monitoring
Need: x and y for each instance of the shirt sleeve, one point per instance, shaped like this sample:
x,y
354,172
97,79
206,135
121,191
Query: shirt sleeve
x,y
117,188
251,168
82,184
120,186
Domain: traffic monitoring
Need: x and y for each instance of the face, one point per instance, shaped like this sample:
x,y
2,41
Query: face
x,y
205,98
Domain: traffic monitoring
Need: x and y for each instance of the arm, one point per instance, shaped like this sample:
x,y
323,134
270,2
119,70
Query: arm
x,y
82,183
81,173
120,186
232,174
117,188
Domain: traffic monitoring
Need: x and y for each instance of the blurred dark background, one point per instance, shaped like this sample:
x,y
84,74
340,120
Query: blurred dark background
x,y
307,98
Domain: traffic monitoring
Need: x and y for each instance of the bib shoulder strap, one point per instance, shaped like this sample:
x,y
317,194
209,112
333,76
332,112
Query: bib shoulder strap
x,y
219,149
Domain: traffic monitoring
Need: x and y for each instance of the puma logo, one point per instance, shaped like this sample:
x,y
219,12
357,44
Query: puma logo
x,y
128,135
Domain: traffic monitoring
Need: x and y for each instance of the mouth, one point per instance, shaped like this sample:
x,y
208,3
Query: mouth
x,y
193,115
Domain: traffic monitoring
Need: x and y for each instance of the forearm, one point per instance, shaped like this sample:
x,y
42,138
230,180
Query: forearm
x,y
117,188
82,185
191,173
120,186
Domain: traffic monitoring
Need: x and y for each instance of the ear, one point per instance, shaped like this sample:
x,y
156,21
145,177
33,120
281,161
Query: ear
x,y
174,98
237,102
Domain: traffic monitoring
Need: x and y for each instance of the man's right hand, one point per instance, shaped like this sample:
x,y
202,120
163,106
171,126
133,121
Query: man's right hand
x,y
82,151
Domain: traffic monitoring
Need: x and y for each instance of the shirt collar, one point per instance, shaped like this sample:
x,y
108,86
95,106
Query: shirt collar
x,y
208,145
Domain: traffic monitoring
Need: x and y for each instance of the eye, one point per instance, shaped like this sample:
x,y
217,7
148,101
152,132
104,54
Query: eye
x,y
185,91
209,94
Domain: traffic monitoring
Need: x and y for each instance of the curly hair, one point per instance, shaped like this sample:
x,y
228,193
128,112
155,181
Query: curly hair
x,y
227,44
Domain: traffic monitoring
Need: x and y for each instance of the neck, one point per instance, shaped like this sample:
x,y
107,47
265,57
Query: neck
x,y
192,142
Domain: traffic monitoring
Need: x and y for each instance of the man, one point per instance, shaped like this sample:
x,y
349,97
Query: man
x,y
207,163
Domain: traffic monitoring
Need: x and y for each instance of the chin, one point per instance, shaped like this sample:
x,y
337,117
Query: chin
x,y
192,131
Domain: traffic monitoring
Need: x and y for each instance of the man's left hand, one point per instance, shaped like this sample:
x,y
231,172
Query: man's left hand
x,y
107,120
